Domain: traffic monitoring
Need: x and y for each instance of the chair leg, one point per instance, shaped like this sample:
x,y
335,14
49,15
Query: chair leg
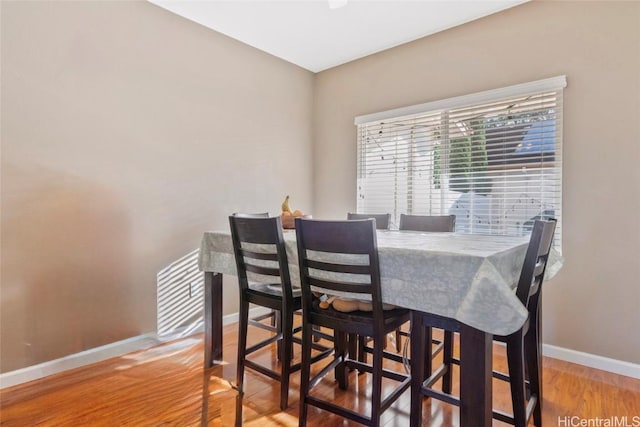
x,y
447,357
534,368
362,355
238,422
536,364
352,342
417,346
278,320
305,371
376,383
398,341
515,360
243,323
428,353
341,346
287,355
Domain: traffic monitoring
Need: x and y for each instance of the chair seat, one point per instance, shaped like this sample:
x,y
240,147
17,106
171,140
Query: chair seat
x,y
334,319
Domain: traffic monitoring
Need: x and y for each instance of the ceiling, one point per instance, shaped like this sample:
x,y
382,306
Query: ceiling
x,y
316,37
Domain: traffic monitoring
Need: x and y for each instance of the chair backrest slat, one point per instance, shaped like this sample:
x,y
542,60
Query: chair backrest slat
x,y
382,220
258,269
339,268
259,255
428,223
546,240
338,236
335,285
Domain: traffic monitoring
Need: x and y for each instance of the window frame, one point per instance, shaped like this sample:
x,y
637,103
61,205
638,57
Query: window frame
x,y
528,162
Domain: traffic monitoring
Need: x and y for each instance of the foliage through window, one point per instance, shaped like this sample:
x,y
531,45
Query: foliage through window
x,y
493,159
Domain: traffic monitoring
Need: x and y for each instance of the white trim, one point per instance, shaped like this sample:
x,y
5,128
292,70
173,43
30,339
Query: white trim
x,y
615,366
553,83
77,360
98,354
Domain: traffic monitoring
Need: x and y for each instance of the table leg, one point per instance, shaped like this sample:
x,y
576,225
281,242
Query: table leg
x,y
212,318
476,354
418,343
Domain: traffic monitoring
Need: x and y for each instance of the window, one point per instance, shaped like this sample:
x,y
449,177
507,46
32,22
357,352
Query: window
x,y
494,159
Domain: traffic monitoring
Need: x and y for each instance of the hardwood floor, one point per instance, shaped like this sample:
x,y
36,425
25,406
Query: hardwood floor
x,y
166,385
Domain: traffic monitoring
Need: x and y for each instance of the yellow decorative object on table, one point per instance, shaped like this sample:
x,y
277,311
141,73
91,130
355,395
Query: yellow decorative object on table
x,y
288,218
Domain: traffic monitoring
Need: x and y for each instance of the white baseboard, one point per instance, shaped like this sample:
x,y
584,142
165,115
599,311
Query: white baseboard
x,y
592,360
98,354
77,360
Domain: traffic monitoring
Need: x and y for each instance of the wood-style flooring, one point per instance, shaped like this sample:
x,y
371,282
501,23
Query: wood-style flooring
x,y
167,386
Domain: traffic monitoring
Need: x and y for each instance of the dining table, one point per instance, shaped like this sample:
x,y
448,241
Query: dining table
x,y
467,277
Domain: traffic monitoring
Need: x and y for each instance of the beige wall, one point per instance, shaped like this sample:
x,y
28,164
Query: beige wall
x,y
592,305
126,132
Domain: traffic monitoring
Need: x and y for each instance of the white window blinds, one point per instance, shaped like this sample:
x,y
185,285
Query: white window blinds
x,y
494,159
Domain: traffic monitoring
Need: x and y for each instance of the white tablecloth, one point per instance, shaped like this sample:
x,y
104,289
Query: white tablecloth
x,y
470,278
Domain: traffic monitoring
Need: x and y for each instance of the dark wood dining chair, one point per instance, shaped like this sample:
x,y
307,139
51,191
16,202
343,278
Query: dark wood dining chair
x,y
326,252
428,223
523,346
258,246
382,220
